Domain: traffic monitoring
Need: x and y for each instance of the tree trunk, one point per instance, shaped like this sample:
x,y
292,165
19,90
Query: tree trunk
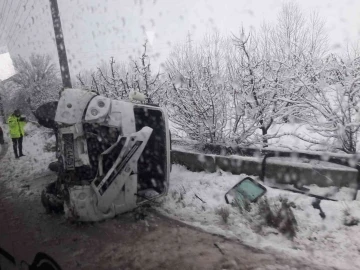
x,y
349,144
264,139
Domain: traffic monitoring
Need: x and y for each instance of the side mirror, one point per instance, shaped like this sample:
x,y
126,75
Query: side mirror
x,y
45,114
246,190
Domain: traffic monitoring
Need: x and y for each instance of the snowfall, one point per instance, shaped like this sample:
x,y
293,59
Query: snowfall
x,y
194,198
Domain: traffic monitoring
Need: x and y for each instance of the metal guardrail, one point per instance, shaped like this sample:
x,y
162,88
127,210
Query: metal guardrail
x,y
257,165
349,160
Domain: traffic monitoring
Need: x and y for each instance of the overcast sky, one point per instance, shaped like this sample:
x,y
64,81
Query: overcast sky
x,y
98,29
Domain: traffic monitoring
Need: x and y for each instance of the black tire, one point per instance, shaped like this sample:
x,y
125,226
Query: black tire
x,y
55,166
44,262
51,199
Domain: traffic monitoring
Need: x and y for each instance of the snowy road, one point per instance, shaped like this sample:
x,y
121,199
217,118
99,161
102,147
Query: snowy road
x,y
122,243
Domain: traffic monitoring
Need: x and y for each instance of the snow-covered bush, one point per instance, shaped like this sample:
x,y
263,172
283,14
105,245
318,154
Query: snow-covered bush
x,y
264,70
224,213
13,97
275,213
331,103
196,96
37,79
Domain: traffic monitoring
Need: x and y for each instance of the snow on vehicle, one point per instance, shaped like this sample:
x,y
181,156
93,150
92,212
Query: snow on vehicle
x,y
113,155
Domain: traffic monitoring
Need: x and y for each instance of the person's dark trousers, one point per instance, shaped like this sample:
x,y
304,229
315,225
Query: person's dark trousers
x,y
17,144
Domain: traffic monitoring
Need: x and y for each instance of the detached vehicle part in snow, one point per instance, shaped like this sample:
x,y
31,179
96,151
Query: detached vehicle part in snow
x,y
247,190
113,155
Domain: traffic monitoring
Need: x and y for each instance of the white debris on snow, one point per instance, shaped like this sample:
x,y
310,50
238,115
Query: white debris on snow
x,y
327,241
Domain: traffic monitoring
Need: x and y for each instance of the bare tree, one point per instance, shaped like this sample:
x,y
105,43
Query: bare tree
x,y
107,79
242,126
117,80
145,82
197,98
352,50
331,104
318,36
269,63
295,36
87,80
265,83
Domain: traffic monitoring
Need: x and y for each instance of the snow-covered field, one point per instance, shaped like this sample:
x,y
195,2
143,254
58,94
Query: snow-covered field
x,y
327,241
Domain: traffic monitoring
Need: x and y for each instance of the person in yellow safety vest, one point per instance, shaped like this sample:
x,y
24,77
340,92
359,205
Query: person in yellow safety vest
x,y
16,126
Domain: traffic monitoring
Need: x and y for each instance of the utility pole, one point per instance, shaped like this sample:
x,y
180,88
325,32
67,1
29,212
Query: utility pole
x,y
60,44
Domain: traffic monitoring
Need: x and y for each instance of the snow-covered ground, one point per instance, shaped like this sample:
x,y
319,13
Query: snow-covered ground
x,y
327,241
36,160
294,142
